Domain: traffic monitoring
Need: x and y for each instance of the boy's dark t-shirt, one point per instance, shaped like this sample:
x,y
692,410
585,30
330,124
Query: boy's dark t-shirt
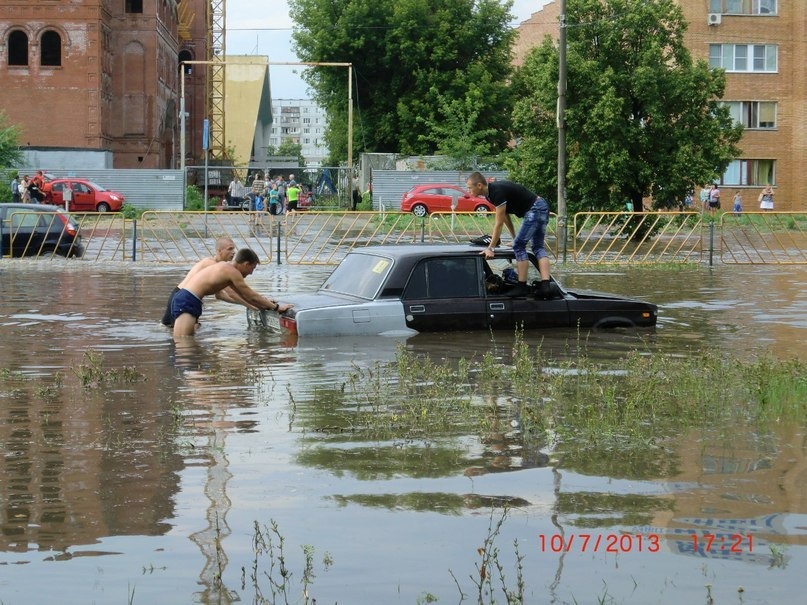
x,y
519,199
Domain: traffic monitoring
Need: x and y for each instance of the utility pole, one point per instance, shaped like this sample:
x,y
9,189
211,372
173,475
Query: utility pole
x,y
561,122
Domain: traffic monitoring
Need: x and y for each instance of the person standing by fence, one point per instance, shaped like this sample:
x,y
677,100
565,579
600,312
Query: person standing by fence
x,y
15,189
766,198
236,192
737,206
24,193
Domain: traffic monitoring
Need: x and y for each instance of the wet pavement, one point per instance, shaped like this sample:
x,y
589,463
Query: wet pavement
x,y
144,485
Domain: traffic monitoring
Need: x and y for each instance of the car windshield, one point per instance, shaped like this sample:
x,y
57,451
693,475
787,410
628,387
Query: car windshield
x,y
96,186
359,275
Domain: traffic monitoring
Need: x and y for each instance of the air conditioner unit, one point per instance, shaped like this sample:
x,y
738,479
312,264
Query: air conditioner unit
x,y
714,19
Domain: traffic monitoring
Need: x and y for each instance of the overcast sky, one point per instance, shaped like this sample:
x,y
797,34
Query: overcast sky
x,y
254,30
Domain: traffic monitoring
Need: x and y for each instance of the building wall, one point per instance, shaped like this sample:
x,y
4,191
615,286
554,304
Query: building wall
x,y
114,87
35,97
193,46
786,86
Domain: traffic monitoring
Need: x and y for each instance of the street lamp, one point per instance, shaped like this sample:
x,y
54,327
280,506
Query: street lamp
x,y
182,112
561,117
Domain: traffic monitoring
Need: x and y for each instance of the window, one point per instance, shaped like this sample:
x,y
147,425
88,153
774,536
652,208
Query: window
x,y
18,48
24,220
186,55
743,7
753,114
750,172
359,275
134,6
51,49
744,57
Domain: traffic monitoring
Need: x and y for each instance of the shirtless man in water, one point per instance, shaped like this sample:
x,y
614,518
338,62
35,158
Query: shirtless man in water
x,y
186,305
225,251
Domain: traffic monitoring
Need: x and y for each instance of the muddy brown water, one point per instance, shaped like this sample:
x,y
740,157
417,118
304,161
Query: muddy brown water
x,y
148,491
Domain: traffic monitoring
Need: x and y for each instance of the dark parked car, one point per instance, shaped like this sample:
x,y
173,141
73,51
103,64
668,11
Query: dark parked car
x,y
38,230
405,289
421,200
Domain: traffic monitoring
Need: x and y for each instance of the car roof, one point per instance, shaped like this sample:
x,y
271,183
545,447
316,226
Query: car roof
x,y
428,185
401,251
32,207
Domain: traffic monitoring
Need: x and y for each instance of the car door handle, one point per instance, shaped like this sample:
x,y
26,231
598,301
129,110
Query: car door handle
x,y
497,306
417,309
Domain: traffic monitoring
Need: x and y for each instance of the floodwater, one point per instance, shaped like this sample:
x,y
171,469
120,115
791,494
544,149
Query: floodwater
x,y
147,487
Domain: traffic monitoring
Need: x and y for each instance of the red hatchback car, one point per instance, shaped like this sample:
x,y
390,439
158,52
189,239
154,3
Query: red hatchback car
x,y
422,200
86,196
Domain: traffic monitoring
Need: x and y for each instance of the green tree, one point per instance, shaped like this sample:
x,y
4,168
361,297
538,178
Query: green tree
x,y
412,60
289,148
643,118
9,142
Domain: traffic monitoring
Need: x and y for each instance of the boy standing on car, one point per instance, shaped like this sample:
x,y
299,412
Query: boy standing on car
x,y
512,198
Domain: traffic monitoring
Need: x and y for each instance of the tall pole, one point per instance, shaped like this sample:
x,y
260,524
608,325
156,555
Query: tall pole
x,y
350,123
562,222
182,142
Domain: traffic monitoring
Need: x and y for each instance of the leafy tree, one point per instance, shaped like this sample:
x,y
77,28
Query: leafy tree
x,y
643,118
415,62
9,142
287,148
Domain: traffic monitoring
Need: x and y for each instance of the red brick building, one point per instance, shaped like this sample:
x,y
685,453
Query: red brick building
x,y
762,46
93,75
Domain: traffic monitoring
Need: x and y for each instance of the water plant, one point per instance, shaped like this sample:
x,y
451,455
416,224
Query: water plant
x,y
92,373
267,541
633,403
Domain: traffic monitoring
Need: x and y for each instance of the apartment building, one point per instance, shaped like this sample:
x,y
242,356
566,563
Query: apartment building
x,y
761,45
303,122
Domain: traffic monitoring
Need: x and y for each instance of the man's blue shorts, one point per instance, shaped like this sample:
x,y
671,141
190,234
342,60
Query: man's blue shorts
x,y
185,301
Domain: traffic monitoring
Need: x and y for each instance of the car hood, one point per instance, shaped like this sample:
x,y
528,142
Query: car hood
x,y
318,300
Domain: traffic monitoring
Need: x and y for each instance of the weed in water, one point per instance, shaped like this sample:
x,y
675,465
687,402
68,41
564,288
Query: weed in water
x,y
92,373
268,542
624,407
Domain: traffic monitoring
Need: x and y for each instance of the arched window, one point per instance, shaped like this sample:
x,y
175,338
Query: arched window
x,y
186,55
18,48
51,49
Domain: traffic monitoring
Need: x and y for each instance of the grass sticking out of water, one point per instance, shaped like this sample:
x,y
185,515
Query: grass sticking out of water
x,y
630,404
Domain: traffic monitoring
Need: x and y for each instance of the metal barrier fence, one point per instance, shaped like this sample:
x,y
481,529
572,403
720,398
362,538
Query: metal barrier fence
x,y
39,234
638,237
314,237
764,238
188,236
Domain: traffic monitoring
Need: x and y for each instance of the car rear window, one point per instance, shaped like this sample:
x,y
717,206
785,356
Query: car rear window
x,y
359,275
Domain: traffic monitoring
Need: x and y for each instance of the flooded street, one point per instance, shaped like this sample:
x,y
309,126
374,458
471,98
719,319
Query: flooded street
x,y
136,471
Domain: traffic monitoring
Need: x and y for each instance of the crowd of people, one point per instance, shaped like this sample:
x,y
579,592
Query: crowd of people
x,y
28,190
275,195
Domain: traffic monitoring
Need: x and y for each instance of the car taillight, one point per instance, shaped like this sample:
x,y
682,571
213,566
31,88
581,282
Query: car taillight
x,y
288,324
69,226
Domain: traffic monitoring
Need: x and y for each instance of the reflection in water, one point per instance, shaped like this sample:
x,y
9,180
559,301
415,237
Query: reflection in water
x,y
242,426
196,366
